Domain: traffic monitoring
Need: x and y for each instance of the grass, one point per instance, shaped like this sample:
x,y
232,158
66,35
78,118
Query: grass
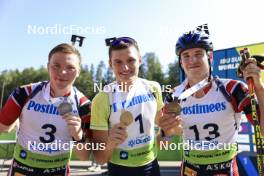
x,y
4,147
163,155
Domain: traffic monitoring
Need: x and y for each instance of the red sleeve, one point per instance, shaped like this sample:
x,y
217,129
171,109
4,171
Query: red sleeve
x,y
85,114
13,107
240,99
10,112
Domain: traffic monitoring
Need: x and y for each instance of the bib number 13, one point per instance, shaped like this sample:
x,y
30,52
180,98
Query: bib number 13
x,y
213,131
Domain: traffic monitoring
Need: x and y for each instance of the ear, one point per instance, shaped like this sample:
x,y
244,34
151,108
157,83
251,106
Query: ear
x,y
140,60
180,62
110,63
180,65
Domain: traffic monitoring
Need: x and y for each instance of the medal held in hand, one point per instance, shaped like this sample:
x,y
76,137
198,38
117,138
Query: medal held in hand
x,y
172,105
126,118
64,108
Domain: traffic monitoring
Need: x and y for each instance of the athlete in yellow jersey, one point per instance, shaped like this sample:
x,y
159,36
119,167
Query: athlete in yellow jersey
x,y
124,115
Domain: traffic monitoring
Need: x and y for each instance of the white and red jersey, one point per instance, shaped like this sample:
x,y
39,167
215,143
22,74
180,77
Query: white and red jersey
x,y
212,119
39,117
213,108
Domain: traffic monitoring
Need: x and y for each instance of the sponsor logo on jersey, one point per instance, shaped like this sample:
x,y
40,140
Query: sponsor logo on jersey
x,y
23,154
204,109
219,166
139,140
124,155
42,108
134,101
22,167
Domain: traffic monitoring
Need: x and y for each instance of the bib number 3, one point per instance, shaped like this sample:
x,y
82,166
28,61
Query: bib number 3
x,y
50,137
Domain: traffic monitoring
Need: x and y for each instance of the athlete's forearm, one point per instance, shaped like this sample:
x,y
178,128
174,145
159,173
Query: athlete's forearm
x,y
260,96
78,135
104,156
3,128
83,153
6,128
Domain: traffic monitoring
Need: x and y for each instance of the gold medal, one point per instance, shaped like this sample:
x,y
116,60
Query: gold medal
x,y
173,107
64,108
126,118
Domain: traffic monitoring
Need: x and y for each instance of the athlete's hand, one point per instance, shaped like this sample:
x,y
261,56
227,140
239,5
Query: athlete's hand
x,y
170,124
74,125
252,70
117,135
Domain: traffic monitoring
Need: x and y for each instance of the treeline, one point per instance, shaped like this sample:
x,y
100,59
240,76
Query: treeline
x,y
150,69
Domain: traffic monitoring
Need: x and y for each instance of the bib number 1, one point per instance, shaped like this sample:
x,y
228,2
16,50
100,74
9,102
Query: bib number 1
x,y
141,127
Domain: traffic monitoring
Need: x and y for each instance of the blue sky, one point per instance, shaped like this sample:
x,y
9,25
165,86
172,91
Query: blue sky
x,y
155,24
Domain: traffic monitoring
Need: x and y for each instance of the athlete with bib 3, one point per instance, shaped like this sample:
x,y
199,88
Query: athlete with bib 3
x,y
124,115
211,108
51,114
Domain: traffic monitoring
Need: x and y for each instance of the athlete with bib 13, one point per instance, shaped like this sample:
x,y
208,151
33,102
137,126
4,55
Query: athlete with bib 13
x,y
124,115
45,129
211,108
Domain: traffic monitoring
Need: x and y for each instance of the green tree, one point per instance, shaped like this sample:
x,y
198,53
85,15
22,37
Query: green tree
x,y
173,78
142,70
92,70
100,73
85,84
153,67
86,68
109,76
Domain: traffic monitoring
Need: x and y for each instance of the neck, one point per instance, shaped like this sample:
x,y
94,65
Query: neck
x,y
126,85
59,92
194,80
200,93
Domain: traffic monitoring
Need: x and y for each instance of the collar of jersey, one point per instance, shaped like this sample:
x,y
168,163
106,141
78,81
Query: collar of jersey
x,y
205,90
47,97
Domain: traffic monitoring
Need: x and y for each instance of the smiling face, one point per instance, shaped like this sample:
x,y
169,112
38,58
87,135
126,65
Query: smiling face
x,y
194,62
125,64
63,69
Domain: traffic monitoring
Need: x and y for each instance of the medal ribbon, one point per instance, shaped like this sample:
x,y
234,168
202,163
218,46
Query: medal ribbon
x,y
182,95
131,93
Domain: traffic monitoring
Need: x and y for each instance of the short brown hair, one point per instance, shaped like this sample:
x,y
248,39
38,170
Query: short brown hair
x,y
120,46
65,48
